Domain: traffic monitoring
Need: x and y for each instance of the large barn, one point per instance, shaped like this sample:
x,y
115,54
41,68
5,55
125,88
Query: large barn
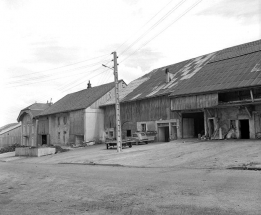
x,y
217,95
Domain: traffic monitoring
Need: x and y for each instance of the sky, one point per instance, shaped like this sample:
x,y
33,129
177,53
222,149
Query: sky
x,y
50,48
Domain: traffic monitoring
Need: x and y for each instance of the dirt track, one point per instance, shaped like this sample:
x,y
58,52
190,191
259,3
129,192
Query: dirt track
x,y
192,179
80,189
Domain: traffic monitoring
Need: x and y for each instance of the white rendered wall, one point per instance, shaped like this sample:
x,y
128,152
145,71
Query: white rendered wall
x,y
93,124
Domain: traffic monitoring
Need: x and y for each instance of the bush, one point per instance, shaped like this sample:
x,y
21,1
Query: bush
x,y
10,148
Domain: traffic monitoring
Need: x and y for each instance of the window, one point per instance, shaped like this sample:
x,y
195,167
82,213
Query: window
x,y
32,129
111,134
64,133
58,121
28,129
128,133
143,127
64,120
59,135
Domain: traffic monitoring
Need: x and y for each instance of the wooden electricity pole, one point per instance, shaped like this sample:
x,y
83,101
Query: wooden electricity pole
x,y
117,104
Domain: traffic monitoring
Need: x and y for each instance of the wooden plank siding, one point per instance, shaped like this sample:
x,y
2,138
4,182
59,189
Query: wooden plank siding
x,y
77,122
104,99
194,102
43,126
140,110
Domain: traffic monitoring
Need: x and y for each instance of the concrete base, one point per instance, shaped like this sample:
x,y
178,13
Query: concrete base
x,y
34,152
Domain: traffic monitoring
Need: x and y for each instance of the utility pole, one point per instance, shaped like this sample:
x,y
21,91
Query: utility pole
x,y
117,104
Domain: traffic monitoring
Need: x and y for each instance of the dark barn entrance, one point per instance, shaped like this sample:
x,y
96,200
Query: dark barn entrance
x,y
44,139
163,132
244,128
193,124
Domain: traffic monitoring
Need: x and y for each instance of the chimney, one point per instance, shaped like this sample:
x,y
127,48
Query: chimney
x,y
167,75
89,85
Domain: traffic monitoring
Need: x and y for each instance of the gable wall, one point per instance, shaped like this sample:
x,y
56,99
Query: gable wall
x,y
107,96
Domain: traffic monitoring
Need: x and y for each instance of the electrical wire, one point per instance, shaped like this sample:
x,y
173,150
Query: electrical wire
x,y
154,25
61,66
144,25
85,80
189,9
60,74
46,80
81,79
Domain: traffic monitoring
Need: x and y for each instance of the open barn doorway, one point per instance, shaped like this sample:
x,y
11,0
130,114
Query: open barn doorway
x,y
193,124
244,128
163,132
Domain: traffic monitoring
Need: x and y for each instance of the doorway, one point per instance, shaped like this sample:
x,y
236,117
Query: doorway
x,y
244,128
193,124
163,133
44,139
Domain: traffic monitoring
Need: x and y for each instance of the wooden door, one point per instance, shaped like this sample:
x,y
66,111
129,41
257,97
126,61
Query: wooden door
x,y
188,128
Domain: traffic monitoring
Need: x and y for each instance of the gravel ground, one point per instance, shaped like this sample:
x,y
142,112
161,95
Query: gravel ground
x,y
83,189
189,154
161,178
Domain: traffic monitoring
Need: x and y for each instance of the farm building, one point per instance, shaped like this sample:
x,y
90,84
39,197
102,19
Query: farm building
x,y
76,118
29,123
10,134
217,95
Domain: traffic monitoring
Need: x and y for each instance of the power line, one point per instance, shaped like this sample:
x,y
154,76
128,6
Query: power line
x,y
155,25
60,74
145,24
73,83
47,76
85,80
162,30
61,66
46,80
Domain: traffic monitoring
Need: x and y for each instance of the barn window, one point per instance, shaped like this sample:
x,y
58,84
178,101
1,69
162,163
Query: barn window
x,y
58,135
64,120
58,121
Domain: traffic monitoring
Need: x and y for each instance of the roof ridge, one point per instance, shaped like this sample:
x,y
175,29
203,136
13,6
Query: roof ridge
x,y
90,88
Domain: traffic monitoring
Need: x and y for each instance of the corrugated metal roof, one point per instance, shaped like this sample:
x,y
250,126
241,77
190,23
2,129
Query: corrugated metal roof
x,y
79,100
230,68
156,85
9,128
232,73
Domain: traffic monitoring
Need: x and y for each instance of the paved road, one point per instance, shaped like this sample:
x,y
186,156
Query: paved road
x,y
27,188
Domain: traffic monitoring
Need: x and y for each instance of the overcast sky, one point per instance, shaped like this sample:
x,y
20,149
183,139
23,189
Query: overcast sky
x,y
49,48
